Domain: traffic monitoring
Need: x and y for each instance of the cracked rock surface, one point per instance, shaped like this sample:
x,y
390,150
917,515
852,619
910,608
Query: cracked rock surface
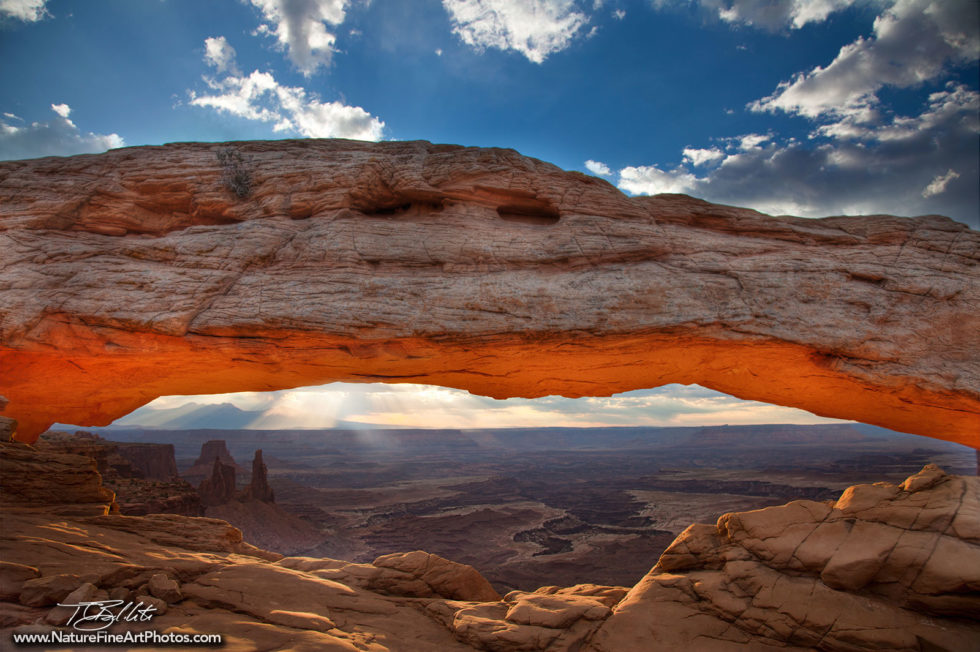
x,y
885,567
145,271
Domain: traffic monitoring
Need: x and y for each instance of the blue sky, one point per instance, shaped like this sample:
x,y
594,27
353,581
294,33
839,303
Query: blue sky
x,y
807,107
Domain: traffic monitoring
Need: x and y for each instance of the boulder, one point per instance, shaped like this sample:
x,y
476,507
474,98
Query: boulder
x,y
419,574
165,588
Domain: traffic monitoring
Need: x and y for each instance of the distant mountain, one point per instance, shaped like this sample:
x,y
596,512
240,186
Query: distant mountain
x,y
191,416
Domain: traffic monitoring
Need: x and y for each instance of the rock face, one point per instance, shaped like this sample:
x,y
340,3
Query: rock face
x,y
220,487
214,449
67,483
153,461
885,566
144,272
258,488
124,469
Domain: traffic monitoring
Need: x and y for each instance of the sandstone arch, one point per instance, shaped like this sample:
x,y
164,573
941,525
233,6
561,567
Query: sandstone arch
x,y
144,271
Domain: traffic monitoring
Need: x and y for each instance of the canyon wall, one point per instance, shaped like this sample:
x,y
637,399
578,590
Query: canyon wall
x,y
143,272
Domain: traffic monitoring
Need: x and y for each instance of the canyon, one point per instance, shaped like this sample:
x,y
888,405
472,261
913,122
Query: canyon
x,y
881,566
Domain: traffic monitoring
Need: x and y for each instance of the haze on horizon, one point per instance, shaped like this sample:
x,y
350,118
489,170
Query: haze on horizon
x,y
378,405
802,107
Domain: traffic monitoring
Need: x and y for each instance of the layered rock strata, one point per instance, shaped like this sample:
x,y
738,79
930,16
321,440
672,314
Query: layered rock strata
x,y
143,476
141,272
885,566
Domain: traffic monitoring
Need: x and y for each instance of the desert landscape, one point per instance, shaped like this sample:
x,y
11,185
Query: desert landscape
x,y
496,325
527,507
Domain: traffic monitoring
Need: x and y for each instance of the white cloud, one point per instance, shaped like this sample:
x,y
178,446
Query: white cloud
x,y
651,180
534,28
752,141
219,54
260,97
300,28
619,14
776,15
61,109
938,185
56,137
702,156
879,168
913,42
598,168
27,10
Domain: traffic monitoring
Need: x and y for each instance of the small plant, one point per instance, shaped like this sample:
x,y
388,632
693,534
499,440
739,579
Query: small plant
x,y
235,171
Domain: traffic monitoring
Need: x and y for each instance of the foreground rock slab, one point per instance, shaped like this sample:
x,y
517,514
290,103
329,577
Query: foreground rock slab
x,y
894,567
144,272
885,567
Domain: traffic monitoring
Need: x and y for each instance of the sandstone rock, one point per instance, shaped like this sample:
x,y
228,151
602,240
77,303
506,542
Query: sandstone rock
x,y
880,569
203,467
165,588
87,592
171,530
121,593
300,620
555,611
69,483
14,615
220,487
12,578
8,427
535,281
444,578
736,586
157,606
258,488
153,461
51,589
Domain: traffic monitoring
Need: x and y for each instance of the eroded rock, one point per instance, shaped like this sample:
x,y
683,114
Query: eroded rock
x,y
472,268
881,568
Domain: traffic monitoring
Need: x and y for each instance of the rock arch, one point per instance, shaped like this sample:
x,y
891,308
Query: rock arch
x,y
144,272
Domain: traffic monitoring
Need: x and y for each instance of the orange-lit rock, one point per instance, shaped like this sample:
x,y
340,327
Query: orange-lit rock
x,y
137,273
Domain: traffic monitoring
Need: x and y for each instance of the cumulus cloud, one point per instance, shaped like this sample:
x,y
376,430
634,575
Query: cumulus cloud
x,y
878,169
598,168
651,180
771,15
938,185
259,96
943,32
534,28
305,29
698,157
219,54
29,11
56,137
861,156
